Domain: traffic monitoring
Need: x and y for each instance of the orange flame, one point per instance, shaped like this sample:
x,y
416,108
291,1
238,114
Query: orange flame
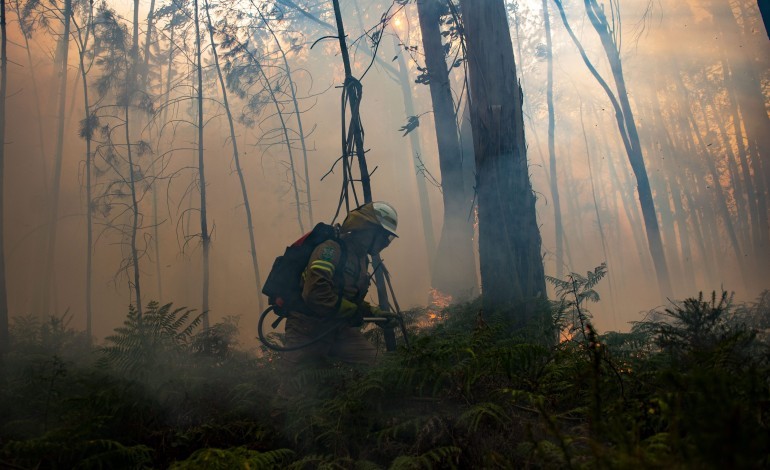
x,y
438,302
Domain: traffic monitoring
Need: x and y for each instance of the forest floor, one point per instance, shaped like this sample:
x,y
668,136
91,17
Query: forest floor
x,y
687,388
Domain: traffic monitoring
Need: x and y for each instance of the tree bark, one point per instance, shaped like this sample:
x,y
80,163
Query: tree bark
x,y
454,271
552,145
53,217
205,237
509,239
89,128
4,334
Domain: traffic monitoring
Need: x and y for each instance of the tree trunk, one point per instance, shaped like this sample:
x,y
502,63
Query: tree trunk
x,y
414,141
88,127
237,160
205,238
552,146
509,239
628,132
747,87
134,218
53,218
454,271
4,334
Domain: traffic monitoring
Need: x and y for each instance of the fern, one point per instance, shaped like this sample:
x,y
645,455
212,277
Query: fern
x,y
152,341
239,457
479,412
440,457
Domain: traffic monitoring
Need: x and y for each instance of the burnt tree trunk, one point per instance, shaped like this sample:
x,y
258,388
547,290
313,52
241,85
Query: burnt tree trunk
x,y
509,239
454,270
4,337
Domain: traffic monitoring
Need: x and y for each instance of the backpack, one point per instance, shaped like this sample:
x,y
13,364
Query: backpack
x,y
283,286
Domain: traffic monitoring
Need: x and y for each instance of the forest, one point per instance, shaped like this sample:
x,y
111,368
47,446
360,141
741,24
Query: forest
x,y
581,276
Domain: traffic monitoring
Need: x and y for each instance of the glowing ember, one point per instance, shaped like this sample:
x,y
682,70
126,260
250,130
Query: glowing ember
x,y
434,313
439,300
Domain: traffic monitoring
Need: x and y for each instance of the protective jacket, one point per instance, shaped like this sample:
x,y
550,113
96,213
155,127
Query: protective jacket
x,y
321,294
320,289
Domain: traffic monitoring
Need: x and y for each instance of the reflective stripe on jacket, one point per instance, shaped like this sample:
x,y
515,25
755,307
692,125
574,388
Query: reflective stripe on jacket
x,y
319,288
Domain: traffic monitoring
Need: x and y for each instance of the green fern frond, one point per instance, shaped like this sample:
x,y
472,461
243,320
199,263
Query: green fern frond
x,y
440,457
239,457
473,417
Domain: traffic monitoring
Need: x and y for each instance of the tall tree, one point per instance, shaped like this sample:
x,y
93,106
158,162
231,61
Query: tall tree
x,y
53,215
455,267
297,113
204,234
3,87
88,126
236,156
552,144
414,141
610,40
509,239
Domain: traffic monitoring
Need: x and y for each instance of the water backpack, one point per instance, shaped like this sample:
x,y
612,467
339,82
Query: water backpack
x,y
283,286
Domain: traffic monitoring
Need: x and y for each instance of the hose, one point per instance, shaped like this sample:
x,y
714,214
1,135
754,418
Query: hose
x,y
275,347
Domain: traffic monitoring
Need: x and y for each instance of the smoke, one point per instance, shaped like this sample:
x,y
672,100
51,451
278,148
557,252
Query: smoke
x,y
676,40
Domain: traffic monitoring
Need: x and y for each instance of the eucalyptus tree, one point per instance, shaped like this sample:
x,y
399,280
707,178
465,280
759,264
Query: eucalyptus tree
x,y
414,141
552,144
170,21
512,274
83,24
3,89
247,63
26,33
37,14
204,233
236,154
455,266
609,35
744,83
295,47
116,62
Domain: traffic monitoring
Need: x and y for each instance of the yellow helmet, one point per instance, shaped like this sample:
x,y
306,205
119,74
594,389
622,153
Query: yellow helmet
x,y
379,214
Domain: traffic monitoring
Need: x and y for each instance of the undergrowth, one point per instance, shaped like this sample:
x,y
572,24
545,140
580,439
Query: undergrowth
x,y
685,388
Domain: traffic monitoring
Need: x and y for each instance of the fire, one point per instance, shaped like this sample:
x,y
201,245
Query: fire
x,y
438,302
566,335
439,299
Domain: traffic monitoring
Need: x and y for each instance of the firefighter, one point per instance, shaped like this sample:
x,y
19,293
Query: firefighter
x,y
366,231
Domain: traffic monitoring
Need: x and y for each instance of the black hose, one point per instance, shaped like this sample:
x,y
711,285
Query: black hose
x,y
275,347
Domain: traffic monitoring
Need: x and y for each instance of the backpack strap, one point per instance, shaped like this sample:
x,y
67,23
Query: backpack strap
x,y
339,273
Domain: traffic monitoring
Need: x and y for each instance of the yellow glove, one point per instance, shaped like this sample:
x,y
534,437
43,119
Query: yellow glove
x,y
369,310
350,312
374,311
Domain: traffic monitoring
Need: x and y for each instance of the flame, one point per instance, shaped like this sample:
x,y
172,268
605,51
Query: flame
x,y
438,302
439,299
